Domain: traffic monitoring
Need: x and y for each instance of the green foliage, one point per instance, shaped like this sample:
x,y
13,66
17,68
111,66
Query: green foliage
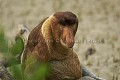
x,y
18,47
3,42
41,72
16,72
15,52
12,60
11,52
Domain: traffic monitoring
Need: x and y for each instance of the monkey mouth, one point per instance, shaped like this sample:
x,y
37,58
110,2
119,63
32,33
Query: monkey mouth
x,y
67,44
63,43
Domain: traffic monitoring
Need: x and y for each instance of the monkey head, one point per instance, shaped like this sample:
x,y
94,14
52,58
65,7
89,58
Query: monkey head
x,y
64,27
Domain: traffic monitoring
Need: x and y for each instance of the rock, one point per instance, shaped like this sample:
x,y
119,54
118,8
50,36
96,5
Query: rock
x,y
87,78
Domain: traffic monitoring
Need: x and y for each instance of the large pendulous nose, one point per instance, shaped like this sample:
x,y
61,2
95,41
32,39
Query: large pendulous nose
x,y
69,41
68,37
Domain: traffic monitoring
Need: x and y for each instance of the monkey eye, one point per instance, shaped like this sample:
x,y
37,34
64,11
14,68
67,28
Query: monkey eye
x,y
63,26
62,21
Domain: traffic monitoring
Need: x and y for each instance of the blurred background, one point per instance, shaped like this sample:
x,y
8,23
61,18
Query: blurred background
x,y
98,36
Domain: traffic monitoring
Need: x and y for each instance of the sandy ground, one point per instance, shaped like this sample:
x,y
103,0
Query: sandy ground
x,y
98,36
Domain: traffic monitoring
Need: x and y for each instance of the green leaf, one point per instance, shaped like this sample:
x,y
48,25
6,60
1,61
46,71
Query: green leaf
x,y
18,47
16,72
12,60
41,72
3,42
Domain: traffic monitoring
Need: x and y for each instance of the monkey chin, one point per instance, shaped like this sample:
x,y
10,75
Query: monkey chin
x,y
65,44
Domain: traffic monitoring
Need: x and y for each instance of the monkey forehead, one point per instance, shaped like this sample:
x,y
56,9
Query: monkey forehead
x,y
66,14
66,18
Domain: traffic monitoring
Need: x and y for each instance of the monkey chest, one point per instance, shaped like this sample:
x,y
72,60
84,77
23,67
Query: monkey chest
x,y
68,69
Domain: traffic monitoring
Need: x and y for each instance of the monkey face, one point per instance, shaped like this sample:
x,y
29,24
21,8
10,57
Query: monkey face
x,y
65,27
67,35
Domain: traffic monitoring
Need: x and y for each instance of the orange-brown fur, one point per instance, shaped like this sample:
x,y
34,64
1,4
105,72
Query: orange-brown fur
x,y
44,44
